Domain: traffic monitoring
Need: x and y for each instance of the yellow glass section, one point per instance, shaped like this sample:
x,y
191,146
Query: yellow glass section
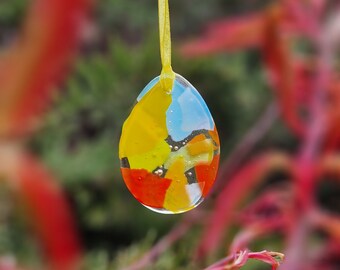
x,y
201,147
150,160
145,128
177,198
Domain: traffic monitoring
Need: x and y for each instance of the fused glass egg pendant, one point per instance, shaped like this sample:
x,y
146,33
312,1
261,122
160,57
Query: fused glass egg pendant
x,y
169,148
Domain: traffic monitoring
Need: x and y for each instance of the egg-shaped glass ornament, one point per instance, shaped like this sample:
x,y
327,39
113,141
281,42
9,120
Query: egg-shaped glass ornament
x,y
169,147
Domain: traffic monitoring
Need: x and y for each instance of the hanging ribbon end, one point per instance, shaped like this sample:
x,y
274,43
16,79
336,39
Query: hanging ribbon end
x,y
167,79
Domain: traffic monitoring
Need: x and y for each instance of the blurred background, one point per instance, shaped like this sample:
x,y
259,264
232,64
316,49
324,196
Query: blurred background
x,y
78,133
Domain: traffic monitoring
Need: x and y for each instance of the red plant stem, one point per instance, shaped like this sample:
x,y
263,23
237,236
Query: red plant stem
x,y
221,264
311,146
243,239
245,146
239,259
305,175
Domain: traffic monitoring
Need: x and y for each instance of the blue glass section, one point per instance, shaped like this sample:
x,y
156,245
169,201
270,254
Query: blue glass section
x,y
187,112
147,88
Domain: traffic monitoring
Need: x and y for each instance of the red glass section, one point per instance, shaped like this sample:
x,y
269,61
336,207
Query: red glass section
x,y
147,188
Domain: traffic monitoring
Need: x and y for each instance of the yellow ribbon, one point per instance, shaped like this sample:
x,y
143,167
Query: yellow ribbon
x,y
167,75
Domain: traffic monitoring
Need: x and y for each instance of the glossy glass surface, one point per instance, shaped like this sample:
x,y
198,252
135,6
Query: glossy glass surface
x,y
169,148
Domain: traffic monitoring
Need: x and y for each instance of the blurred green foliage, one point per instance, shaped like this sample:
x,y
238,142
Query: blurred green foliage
x,y
12,12
79,136
11,16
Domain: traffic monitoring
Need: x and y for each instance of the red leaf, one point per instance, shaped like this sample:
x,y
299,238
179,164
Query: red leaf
x,y
46,207
37,61
279,62
238,259
228,35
